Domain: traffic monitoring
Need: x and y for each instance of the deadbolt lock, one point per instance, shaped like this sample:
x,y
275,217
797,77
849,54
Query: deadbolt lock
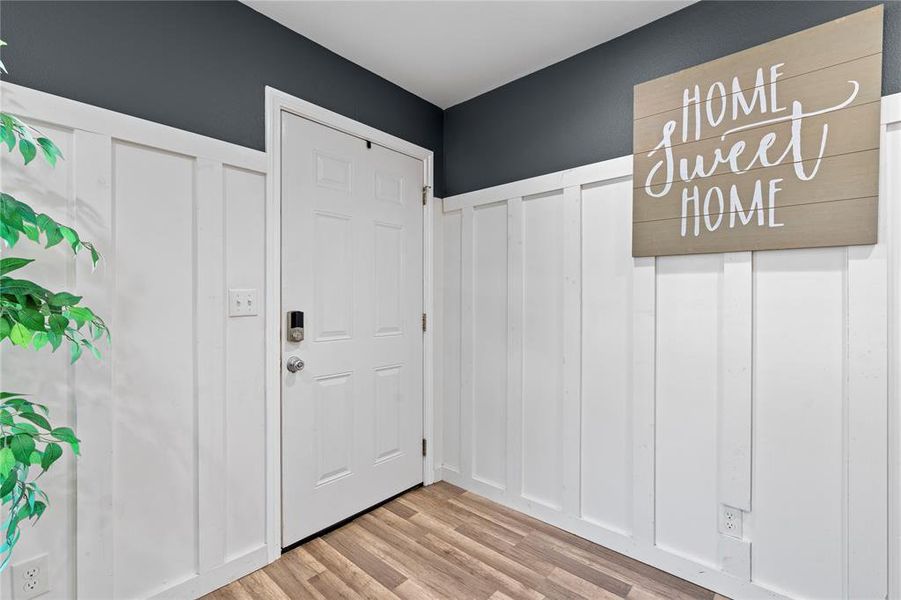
x,y
295,326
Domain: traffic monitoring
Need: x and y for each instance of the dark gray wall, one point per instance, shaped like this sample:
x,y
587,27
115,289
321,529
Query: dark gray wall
x,y
579,111
199,66
202,66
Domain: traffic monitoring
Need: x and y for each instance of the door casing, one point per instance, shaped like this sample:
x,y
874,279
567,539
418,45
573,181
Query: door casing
x,y
278,102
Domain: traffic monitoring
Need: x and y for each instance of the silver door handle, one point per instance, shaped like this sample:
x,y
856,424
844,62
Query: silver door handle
x,y
295,364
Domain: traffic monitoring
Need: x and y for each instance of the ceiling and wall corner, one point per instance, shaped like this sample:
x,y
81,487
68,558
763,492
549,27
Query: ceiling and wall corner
x,y
451,51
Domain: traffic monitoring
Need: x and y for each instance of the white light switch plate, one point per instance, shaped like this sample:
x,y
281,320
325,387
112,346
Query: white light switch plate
x,y
242,303
31,578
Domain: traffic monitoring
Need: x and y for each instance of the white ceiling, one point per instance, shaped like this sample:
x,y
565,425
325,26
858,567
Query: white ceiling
x,y
451,51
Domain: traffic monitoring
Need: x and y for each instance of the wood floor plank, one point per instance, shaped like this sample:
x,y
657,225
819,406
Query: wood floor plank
x,y
260,586
300,561
431,564
497,560
662,584
410,590
680,587
515,589
233,591
493,516
400,509
344,569
331,587
443,542
485,538
287,578
581,587
412,566
347,545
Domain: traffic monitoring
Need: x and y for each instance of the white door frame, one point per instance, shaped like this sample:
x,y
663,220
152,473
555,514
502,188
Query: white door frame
x,y
276,103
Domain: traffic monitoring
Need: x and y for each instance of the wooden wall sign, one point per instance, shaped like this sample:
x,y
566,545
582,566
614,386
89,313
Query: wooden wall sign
x,y
772,147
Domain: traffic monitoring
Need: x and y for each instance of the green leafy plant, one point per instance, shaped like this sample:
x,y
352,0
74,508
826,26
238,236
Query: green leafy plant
x,y
32,316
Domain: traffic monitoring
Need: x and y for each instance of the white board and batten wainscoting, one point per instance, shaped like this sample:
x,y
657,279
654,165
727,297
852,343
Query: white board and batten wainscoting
x,y
169,496
632,400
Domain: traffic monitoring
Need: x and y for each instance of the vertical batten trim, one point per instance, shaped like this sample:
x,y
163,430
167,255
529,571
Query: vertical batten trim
x,y
92,162
868,284
644,382
735,382
467,337
273,340
735,391
890,192
210,322
515,283
571,471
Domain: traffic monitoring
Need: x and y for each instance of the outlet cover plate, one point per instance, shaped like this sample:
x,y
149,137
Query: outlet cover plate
x,y
730,521
31,578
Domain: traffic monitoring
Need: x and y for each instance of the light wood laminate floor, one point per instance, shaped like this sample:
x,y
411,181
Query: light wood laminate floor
x,y
443,542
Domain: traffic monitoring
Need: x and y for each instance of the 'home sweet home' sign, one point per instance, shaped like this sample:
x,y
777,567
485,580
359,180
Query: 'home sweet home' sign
x,y
773,147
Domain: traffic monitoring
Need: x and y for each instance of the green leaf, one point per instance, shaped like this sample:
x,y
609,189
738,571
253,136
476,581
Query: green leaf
x,y
74,351
70,236
39,340
45,222
8,265
55,339
36,419
8,137
31,319
22,446
34,459
50,150
7,462
27,428
20,335
58,323
63,299
6,395
51,453
53,236
4,328
8,484
39,508
80,314
31,232
27,149
64,434
10,236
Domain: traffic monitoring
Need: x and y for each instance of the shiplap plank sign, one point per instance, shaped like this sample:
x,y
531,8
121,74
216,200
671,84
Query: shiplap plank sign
x,y
773,147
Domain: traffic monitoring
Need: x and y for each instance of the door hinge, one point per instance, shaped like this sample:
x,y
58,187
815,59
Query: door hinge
x,y
423,322
425,194
424,446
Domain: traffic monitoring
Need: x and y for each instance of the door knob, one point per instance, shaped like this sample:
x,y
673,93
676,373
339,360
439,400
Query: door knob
x,y
295,364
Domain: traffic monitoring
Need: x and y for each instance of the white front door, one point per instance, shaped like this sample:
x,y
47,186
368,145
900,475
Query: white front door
x,y
352,262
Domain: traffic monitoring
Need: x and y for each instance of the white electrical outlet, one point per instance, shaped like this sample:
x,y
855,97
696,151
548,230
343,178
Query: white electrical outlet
x,y
31,578
242,303
730,521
